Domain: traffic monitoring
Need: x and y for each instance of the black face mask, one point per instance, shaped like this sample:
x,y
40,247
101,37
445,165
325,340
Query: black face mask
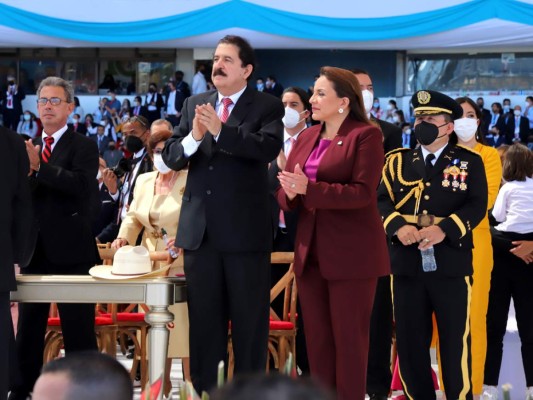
x,y
133,144
10,83
112,147
427,133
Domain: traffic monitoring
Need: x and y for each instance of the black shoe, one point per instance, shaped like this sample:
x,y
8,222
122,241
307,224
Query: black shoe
x,y
378,397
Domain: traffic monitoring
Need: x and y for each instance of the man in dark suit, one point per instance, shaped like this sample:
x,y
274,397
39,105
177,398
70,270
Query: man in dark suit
x,y
430,199
297,110
136,132
517,128
153,103
392,134
173,104
227,138
77,126
108,209
101,139
61,241
11,98
379,369
273,87
484,126
15,214
138,109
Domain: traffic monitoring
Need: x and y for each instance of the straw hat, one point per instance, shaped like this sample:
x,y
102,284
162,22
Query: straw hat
x,y
129,262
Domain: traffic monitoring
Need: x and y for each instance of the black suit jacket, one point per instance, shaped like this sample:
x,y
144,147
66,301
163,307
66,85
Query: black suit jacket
x,y
81,128
291,217
17,100
108,211
64,192
227,185
392,135
523,129
485,120
141,110
110,232
15,205
104,143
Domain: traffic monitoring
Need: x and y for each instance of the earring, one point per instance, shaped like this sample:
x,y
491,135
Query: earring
x,y
341,110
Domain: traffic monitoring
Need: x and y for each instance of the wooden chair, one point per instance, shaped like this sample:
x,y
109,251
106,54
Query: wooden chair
x,y
130,324
282,329
106,336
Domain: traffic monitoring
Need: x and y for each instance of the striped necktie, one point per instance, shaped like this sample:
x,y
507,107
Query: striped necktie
x,y
47,152
226,102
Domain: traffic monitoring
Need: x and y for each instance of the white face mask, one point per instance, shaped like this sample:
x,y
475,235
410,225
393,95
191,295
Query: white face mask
x,y
160,165
389,107
465,128
516,112
291,118
368,100
26,117
407,131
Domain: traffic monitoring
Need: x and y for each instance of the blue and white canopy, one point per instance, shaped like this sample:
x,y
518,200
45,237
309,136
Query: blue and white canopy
x,y
344,24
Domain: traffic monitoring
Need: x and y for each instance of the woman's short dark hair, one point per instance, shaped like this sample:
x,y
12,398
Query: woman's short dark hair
x,y
246,52
518,163
346,84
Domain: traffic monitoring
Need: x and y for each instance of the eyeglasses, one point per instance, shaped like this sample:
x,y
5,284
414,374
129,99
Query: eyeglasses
x,y
55,101
141,120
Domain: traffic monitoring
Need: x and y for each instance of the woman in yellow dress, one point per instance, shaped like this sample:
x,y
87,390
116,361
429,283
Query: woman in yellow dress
x,y
468,134
156,204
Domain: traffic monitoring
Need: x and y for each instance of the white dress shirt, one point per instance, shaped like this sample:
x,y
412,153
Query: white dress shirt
x,y
514,208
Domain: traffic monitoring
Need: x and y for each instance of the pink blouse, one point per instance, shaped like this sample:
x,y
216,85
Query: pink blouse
x,y
312,163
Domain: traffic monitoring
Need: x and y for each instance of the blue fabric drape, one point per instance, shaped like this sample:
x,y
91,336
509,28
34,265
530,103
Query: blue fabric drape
x,y
241,14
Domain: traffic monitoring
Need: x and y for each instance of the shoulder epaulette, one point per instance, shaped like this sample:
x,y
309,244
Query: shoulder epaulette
x,y
396,151
468,149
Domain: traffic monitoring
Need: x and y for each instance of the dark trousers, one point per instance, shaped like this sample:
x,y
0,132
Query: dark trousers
x,y
337,320
7,345
282,242
224,286
415,300
379,376
77,325
511,278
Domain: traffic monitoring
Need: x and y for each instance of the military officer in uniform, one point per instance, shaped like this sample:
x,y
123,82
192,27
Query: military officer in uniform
x,y
430,199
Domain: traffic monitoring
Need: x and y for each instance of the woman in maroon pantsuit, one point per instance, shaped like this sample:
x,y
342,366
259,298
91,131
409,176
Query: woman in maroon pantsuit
x,y
331,176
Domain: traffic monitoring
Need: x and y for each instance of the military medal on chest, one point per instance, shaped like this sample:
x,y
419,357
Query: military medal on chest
x,y
446,177
455,172
463,174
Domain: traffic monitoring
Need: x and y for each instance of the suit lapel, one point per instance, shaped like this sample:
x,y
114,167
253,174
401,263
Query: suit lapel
x,y
61,147
242,108
303,148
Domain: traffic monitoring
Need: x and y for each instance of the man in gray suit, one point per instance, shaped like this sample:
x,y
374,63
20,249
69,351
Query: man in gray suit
x,y
227,138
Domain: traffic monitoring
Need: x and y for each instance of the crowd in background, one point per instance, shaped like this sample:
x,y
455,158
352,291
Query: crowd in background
x,y
130,145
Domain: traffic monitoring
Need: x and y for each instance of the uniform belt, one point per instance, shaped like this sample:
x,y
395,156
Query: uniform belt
x,y
422,219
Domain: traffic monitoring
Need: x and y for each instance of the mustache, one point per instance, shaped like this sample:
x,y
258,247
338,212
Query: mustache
x,y
219,71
